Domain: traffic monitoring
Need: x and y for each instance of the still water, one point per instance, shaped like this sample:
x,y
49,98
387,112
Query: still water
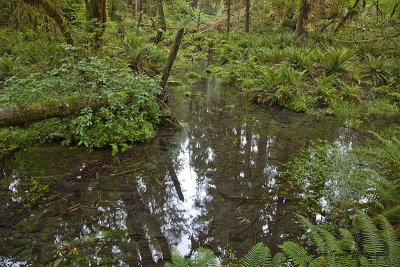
x,y
213,184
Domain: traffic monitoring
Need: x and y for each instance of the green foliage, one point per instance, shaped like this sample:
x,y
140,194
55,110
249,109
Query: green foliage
x,y
201,258
129,116
6,66
318,75
296,253
378,69
259,255
379,246
336,60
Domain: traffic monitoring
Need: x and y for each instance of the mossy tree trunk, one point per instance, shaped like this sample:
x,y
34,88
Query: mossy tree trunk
x,y
247,26
302,18
228,12
47,109
96,15
396,4
162,25
351,13
54,12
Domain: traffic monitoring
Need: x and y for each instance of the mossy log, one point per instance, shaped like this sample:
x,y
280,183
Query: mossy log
x,y
46,110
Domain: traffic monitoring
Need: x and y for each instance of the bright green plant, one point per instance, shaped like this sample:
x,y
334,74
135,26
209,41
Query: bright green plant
x,y
336,60
129,114
201,258
369,243
6,66
378,69
260,255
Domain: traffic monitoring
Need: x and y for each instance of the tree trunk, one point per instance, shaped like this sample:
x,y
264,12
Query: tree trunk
x,y
162,25
171,58
303,17
199,19
56,14
394,8
349,15
96,15
247,26
228,11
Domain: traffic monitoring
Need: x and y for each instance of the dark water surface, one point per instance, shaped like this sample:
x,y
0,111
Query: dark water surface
x,y
212,184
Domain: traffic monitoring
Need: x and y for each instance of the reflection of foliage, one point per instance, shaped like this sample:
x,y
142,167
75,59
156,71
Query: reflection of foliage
x,y
335,174
35,193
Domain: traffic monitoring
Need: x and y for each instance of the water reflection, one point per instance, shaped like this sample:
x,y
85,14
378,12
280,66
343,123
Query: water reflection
x,y
213,184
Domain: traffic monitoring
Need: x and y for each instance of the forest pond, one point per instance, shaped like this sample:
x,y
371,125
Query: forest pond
x,y
212,183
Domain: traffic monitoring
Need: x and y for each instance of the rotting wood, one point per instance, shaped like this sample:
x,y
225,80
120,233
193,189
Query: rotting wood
x,y
172,57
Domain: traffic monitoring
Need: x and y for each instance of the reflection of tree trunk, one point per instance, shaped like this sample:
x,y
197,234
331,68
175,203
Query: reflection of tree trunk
x,y
261,160
140,216
174,178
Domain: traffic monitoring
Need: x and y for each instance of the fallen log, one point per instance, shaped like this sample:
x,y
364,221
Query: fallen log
x,y
48,109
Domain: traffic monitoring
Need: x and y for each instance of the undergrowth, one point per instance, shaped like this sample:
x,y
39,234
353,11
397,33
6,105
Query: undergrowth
x,y
335,77
130,112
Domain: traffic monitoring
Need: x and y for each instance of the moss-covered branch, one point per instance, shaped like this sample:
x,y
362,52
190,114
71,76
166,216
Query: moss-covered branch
x,y
45,110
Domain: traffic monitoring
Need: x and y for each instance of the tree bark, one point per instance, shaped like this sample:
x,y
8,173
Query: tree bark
x,y
56,14
171,58
162,25
394,8
349,15
303,17
247,26
228,11
96,15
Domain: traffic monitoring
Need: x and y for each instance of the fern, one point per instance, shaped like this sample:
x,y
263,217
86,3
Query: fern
x,y
278,260
372,243
258,256
204,258
177,260
348,243
336,60
296,253
391,242
314,233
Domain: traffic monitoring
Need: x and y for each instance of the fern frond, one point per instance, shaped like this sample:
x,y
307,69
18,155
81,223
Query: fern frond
x,y
204,258
348,242
331,248
296,253
177,260
258,256
392,213
279,260
372,242
391,241
316,237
